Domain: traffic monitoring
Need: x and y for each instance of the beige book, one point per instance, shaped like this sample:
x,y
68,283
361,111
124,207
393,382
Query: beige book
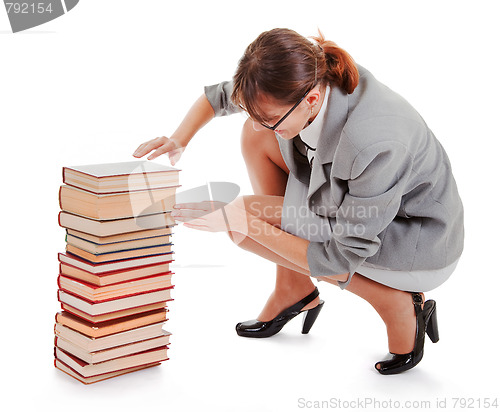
x,y
123,254
123,176
115,226
109,278
91,344
97,249
114,305
116,290
115,205
107,267
94,369
93,379
118,315
111,327
111,353
122,237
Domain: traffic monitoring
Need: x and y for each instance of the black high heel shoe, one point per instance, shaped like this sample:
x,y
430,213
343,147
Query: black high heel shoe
x,y
257,329
426,323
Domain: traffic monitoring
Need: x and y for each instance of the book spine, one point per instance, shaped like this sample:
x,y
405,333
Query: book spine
x,y
98,301
60,200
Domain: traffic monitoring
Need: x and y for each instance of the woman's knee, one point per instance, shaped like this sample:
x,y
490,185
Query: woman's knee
x,y
251,140
263,144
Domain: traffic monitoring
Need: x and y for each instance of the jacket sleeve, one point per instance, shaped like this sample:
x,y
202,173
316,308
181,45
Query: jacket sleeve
x,y
377,182
219,97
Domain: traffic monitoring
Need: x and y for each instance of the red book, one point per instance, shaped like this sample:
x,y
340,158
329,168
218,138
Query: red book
x,y
111,327
114,305
95,293
106,267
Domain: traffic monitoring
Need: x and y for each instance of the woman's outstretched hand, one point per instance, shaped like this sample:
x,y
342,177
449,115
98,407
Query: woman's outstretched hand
x,y
161,145
214,216
211,216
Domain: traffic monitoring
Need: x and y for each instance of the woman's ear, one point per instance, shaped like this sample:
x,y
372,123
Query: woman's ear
x,y
313,97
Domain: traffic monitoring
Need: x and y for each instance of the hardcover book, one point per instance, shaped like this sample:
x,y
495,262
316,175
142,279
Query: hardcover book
x,y
117,276
111,353
98,248
107,267
115,205
93,379
121,237
93,344
111,316
122,254
114,305
116,290
94,369
120,177
115,226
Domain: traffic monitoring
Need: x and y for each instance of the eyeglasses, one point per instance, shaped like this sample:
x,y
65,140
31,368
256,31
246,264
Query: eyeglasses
x,y
273,128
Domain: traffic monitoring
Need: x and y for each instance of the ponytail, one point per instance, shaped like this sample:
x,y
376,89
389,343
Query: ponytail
x,y
340,68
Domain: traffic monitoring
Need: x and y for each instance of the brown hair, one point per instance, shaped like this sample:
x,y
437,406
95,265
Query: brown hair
x,y
284,65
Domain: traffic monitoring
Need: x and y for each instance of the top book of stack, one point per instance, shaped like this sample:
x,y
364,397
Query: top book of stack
x,y
121,177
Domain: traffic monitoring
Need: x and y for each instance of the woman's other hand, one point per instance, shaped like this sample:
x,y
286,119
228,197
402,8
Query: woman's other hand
x,y
160,145
212,216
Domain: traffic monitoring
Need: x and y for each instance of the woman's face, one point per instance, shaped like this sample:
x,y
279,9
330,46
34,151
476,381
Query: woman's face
x,y
295,121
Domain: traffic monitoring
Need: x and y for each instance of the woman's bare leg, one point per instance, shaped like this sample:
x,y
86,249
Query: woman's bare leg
x,y
394,306
268,174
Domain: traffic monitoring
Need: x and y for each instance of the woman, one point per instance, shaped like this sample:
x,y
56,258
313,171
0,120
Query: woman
x,y
351,187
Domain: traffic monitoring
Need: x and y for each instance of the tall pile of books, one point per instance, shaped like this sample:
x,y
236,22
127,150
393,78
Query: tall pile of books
x,y
114,281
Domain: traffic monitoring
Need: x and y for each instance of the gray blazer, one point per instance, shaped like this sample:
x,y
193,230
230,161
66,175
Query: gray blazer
x,y
380,176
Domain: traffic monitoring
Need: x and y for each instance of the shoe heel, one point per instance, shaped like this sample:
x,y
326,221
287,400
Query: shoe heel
x,y
310,317
432,327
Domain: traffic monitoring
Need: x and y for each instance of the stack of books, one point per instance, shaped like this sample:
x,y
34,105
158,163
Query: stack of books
x,y
114,278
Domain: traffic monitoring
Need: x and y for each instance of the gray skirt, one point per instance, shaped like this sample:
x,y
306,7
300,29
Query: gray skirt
x,y
297,219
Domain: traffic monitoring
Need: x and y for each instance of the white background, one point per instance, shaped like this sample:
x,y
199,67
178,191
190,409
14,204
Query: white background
x,y
92,85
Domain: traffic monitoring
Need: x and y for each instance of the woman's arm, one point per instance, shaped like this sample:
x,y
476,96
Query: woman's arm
x,y
290,247
199,115
214,216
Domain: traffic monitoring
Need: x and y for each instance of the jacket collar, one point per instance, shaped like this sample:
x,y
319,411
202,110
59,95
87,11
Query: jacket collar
x,y
335,119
